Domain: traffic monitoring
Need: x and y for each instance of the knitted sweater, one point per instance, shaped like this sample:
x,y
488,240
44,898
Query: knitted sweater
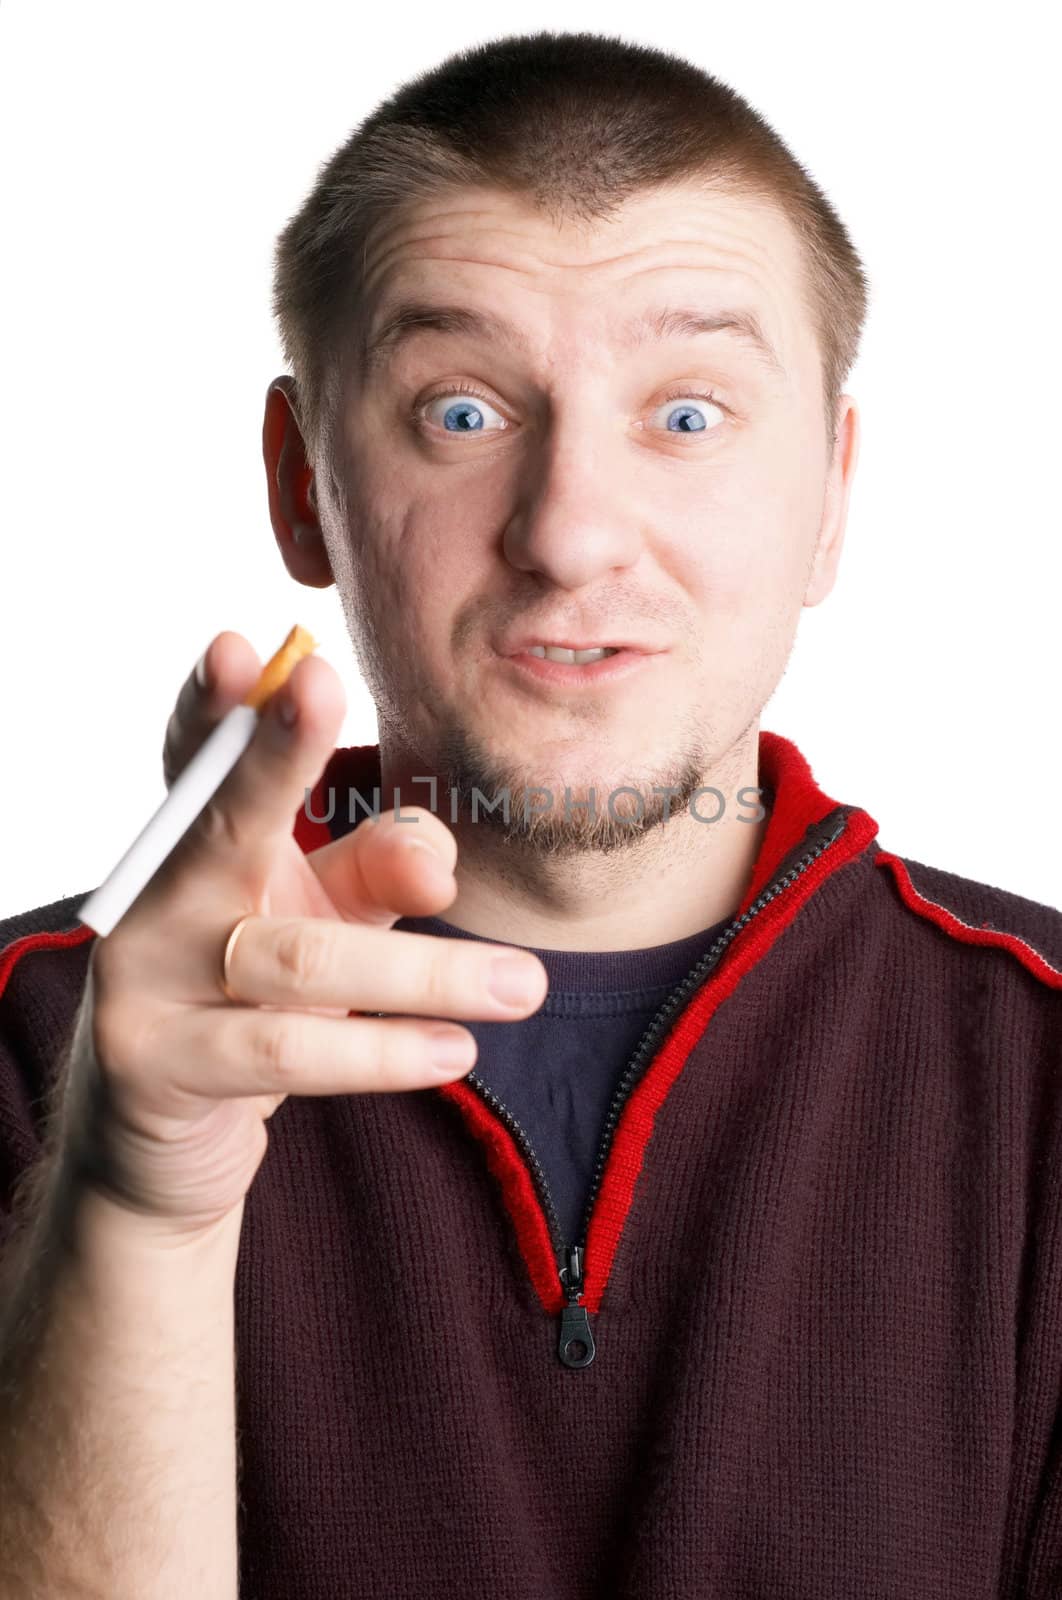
x,y
810,1347
556,1072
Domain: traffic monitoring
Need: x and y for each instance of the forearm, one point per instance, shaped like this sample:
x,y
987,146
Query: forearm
x,y
117,1407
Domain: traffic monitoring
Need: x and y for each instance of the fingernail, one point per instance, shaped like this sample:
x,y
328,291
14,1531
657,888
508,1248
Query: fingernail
x,y
201,671
452,1051
285,712
512,980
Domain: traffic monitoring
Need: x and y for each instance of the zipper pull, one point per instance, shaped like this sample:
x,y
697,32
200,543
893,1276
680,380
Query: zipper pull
x,y
576,1347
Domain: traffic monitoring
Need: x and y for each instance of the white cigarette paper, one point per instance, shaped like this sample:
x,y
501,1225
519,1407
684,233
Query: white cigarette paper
x,y
192,789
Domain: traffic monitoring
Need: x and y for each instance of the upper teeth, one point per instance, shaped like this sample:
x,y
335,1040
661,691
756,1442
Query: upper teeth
x,y
559,652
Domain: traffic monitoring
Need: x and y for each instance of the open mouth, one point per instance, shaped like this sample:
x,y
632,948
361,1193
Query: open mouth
x,y
579,658
604,664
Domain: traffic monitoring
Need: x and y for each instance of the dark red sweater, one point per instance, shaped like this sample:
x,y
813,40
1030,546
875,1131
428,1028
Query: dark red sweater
x,y
822,1276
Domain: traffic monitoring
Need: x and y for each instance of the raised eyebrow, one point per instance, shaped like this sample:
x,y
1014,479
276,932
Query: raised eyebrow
x,y
403,322
680,322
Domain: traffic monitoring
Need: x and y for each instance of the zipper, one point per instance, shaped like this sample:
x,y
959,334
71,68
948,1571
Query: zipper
x,y
576,1347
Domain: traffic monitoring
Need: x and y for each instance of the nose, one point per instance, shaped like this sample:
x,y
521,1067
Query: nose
x,y
572,524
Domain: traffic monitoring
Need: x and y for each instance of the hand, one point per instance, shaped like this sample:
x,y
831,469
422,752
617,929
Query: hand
x,y
170,1083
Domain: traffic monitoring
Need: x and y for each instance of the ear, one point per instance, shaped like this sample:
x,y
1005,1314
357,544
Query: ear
x,y
290,484
839,478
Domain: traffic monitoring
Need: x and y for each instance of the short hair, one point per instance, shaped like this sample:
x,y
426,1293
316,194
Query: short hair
x,y
574,124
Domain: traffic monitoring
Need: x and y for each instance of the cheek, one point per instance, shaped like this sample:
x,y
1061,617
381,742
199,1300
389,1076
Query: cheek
x,y
409,579
388,557
744,561
755,537
419,521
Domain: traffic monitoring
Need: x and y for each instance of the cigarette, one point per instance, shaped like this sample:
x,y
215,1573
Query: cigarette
x,y
191,790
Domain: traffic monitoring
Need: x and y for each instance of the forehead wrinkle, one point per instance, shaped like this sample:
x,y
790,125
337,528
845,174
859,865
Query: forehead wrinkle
x,y
755,243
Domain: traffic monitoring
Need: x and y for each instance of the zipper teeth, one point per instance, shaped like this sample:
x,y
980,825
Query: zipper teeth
x,y
645,1050
522,1139
676,1001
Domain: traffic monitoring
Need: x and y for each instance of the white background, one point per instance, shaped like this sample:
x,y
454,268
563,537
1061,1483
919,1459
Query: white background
x,y
149,157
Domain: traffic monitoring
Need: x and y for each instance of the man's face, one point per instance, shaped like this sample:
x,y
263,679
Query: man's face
x,y
572,486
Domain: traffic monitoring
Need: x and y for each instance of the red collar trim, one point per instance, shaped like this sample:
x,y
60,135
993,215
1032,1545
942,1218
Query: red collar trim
x,y
798,804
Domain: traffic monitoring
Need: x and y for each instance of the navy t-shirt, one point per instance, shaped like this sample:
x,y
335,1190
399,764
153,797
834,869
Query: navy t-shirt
x,y
556,1071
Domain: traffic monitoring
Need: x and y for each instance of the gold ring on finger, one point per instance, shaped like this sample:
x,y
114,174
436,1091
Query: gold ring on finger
x,y
226,959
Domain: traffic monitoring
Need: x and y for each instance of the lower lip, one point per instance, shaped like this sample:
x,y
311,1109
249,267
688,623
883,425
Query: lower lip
x,y
610,669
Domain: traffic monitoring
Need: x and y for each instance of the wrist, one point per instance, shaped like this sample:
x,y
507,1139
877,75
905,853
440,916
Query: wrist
x,y
86,1207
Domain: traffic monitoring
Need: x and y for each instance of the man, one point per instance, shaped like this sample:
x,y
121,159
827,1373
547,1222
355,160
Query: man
x,y
734,1267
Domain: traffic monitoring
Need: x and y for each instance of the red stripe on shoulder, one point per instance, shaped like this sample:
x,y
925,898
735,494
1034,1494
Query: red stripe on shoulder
x,y
967,932
63,940
309,834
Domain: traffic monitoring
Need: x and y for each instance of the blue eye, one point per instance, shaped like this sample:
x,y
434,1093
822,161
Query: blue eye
x,y
689,418
463,415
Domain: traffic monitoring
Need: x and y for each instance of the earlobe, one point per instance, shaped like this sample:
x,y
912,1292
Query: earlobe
x,y
823,576
823,572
